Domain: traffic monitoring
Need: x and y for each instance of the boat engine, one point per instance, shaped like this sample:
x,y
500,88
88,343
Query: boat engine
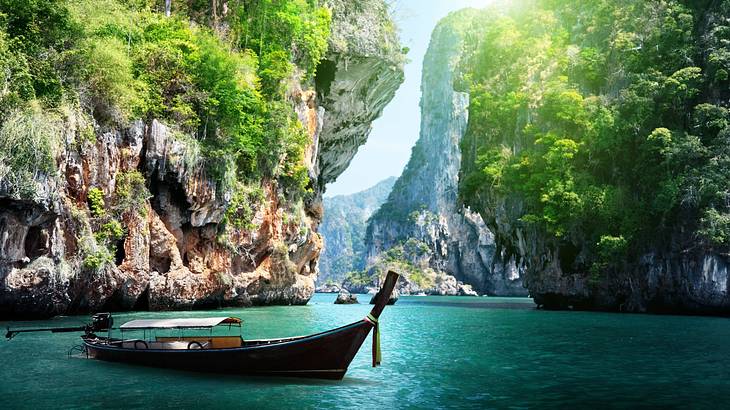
x,y
100,322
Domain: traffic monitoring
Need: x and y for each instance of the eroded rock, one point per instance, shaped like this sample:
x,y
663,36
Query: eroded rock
x,y
345,298
175,253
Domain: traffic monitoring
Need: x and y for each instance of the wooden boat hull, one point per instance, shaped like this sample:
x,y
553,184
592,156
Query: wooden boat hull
x,y
324,355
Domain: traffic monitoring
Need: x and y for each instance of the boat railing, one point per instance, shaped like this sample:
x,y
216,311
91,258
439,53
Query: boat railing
x,y
78,349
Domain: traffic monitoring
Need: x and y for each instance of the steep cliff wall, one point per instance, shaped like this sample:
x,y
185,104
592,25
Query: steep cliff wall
x,y
356,80
598,150
343,228
183,239
424,205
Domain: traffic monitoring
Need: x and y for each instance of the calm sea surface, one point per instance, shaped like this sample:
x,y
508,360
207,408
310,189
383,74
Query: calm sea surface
x,y
438,352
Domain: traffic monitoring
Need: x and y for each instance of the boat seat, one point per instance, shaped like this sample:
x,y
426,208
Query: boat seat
x,y
164,345
214,342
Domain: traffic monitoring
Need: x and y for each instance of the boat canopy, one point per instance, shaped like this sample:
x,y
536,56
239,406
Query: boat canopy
x,y
185,323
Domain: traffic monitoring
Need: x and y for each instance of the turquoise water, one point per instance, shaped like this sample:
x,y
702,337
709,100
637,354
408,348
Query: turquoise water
x,y
438,352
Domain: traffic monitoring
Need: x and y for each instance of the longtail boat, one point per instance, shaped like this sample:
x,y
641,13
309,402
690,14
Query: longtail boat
x,y
325,355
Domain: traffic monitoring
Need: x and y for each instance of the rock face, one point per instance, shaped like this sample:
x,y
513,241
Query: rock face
x,y
174,251
423,204
449,286
358,78
343,228
345,298
328,288
418,279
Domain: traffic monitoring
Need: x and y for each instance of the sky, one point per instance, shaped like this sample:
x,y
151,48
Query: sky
x,y
389,145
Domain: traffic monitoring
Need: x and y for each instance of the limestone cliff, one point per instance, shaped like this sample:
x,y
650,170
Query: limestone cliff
x,y
175,248
355,82
343,228
424,205
634,242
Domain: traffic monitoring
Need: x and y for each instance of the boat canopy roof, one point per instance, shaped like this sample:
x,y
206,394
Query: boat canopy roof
x,y
184,323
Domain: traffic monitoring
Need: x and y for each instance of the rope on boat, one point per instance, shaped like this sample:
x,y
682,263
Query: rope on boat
x,y
376,340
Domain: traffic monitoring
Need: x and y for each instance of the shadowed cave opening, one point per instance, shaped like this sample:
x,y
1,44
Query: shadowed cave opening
x,y
324,77
159,263
187,231
567,255
169,198
212,302
114,303
35,242
120,252
143,301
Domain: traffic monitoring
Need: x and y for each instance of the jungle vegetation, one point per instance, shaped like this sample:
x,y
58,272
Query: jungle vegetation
x,y
605,124
216,73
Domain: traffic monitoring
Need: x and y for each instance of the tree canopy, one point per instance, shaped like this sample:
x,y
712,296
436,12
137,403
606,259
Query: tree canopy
x,y
605,122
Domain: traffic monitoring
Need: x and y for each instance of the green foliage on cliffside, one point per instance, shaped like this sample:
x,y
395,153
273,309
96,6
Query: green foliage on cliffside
x,y
100,245
409,258
96,202
244,202
131,193
607,121
29,139
282,32
214,72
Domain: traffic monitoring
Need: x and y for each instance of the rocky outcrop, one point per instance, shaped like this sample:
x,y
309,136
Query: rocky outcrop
x,y
423,204
172,254
671,279
328,288
355,82
59,251
416,279
346,298
343,228
449,286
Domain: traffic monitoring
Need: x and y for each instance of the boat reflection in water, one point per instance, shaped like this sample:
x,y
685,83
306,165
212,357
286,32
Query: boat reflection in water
x,y
325,355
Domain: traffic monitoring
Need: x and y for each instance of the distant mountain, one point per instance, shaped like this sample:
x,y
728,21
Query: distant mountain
x,y
343,228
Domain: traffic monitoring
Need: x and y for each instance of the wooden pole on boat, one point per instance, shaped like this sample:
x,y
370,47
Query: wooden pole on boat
x,y
11,333
381,299
99,321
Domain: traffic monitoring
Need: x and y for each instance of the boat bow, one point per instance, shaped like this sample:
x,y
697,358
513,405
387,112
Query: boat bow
x,y
381,300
